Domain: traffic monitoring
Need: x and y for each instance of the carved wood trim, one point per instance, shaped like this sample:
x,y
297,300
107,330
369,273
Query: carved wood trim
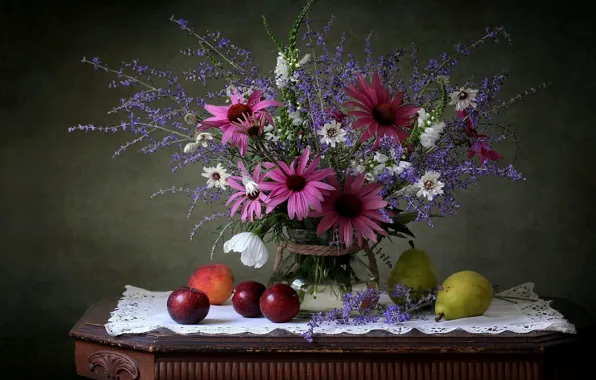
x,y
113,364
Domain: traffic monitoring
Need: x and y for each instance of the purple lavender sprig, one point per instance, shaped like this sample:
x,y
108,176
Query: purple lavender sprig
x,y
361,308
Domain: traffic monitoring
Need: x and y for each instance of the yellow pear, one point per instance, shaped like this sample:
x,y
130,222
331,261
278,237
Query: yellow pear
x,y
413,269
463,294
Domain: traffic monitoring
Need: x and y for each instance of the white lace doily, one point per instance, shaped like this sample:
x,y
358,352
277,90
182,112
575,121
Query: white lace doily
x,y
141,311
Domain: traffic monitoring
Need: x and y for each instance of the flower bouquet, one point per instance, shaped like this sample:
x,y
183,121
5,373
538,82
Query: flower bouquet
x,y
324,155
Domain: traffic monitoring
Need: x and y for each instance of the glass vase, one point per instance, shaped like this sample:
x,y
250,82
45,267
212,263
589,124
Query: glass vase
x,y
322,280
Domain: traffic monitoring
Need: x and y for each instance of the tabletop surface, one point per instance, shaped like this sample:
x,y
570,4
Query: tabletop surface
x,y
91,328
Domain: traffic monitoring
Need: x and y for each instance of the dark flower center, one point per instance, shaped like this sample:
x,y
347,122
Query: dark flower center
x,y
254,195
348,205
296,182
215,176
236,112
254,130
462,95
331,132
428,185
384,114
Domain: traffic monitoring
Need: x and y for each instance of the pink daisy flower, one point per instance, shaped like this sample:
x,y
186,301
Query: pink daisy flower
x,y
248,193
379,112
224,116
352,210
299,184
240,131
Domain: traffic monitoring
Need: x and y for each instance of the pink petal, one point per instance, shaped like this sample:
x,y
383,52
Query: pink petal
x,y
219,111
358,182
398,99
354,104
375,205
320,185
326,223
269,165
284,167
235,185
266,103
363,122
236,97
236,205
364,229
319,174
346,231
254,97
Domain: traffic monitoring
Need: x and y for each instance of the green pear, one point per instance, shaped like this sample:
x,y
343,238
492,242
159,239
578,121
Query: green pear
x,y
413,269
463,294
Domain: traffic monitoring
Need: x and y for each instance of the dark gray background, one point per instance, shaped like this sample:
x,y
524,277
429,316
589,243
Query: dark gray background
x,y
77,226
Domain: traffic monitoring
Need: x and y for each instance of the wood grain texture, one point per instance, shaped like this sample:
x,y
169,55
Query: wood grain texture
x,y
340,369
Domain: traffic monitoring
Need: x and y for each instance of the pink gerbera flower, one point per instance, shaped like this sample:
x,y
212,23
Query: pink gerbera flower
x,y
379,112
352,210
240,131
224,116
299,184
249,193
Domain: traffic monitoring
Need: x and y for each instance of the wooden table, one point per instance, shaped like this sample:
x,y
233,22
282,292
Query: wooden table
x,y
377,355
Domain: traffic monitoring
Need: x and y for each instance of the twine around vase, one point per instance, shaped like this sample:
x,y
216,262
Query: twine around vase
x,y
324,250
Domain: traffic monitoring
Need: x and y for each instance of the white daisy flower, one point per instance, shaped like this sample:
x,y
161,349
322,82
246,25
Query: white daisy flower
x,y
332,134
203,138
464,98
429,185
282,71
252,249
216,176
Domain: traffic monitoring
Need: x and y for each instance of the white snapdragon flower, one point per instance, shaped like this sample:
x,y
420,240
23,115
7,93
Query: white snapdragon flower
x,y
464,98
429,137
304,60
191,147
429,185
296,118
380,158
332,134
270,134
399,168
422,117
216,176
252,249
282,71
190,118
203,138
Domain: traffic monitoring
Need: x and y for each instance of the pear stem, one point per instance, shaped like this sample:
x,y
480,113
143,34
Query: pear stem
x,y
439,317
411,242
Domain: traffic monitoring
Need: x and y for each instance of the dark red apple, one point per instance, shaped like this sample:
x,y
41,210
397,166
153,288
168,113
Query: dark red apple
x,y
279,303
246,299
188,306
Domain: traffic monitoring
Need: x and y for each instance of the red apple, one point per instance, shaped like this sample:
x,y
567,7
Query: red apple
x,y
279,303
246,298
188,306
215,280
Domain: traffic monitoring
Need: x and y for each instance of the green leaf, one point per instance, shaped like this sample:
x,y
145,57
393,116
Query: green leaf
x,y
297,23
405,217
402,229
